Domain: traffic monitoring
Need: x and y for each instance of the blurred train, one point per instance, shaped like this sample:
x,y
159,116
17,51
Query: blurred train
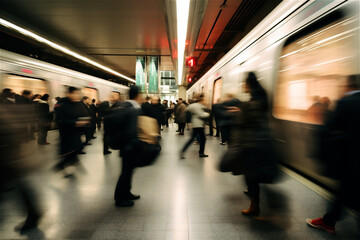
x,y
19,72
301,53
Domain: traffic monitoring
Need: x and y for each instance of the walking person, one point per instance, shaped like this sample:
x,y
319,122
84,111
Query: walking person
x,y
198,118
180,116
341,155
44,119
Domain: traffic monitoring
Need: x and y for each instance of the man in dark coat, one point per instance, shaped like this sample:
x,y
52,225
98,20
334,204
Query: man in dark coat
x,y
155,110
93,112
70,125
84,110
215,114
225,119
123,196
345,119
105,107
44,119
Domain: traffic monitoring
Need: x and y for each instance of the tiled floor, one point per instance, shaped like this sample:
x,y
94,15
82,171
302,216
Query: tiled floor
x,y
180,199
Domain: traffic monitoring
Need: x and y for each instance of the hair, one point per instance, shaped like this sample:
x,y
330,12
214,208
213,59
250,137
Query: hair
x,y
6,92
256,90
84,98
354,81
147,98
180,99
93,101
57,98
26,92
45,97
133,92
72,89
37,95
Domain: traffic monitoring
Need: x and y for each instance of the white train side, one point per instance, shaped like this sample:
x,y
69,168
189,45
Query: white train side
x,y
19,72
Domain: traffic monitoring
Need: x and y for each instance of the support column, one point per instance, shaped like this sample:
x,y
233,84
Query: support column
x,y
181,92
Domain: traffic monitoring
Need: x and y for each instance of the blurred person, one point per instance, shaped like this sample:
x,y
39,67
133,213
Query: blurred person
x,y
70,124
198,118
180,116
215,111
342,157
84,109
16,160
114,100
251,134
154,110
98,118
25,98
93,111
123,196
44,119
7,96
224,118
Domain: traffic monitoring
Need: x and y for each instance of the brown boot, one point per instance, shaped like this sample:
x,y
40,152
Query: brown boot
x,y
254,208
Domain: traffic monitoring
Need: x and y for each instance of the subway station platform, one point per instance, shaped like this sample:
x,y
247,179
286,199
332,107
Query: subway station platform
x,y
180,199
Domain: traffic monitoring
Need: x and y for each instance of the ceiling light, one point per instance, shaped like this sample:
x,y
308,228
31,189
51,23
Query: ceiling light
x,y
182,15
60,48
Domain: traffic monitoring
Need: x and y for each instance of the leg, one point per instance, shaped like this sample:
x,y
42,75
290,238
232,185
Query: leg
x,y
191,140
123,186
42,138
202,139
254,194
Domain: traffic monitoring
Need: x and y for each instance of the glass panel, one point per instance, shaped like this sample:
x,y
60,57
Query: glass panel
x,y
312,72
19,84
92,93
217,90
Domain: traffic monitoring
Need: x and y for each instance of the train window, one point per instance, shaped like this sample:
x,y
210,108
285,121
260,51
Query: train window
x,y
92,93
20,83
217,90
312,71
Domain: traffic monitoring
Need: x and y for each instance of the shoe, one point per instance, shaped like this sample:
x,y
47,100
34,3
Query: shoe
x,y
222,143
93,137
177,130
28,225
87,143
196,143
81,152
203,155
181,133
246,192
217,135
107,152
250,213
124,203
319,223
182,155
133,197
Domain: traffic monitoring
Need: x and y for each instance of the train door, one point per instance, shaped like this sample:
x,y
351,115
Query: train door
x,y
20,83
92,93
217,89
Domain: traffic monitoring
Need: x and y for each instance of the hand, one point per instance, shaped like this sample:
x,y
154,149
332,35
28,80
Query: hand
x,y
233,109
81,123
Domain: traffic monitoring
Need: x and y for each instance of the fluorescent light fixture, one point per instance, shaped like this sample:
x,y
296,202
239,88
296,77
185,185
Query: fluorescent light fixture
x,y
182,14
21,30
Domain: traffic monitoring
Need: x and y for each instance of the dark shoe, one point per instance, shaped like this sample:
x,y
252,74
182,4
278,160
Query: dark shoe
x,y
319,223
203,155
181,133
217,135
124,203
249,212
87,143
81,152
196,143
182,155
246,192
107,152
222,143
133,197
93,137
177,130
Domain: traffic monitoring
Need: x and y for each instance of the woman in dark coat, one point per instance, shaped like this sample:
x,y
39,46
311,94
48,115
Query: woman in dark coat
x,y
252,136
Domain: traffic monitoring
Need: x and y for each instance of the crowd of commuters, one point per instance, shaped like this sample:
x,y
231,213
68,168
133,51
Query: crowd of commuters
x,y
240,125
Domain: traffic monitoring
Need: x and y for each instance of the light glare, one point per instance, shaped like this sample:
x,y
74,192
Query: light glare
x,y
182,13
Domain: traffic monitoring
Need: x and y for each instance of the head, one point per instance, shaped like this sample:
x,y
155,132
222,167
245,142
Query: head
x,y
93,101
74,94
253,86
228,97
180,100
86,100
134,94
155,100
37,96
45,97
353,82
27,94
7,93
57,98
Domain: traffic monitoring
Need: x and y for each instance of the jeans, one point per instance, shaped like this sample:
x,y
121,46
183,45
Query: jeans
x,y
200,132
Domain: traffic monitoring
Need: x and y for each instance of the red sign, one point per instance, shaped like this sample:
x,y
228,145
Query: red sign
x,y
191,61
27,70
189,79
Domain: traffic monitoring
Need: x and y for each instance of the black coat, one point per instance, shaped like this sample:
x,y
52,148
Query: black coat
x,y
156,111
67,114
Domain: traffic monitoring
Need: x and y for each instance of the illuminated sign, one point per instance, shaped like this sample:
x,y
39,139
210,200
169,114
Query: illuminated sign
x,y
191,61
27,70
189,79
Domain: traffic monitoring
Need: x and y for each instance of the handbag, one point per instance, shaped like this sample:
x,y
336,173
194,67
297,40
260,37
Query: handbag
x,y
232,161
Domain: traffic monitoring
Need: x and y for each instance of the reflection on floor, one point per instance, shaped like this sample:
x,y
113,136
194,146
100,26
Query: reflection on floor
x,y
180,199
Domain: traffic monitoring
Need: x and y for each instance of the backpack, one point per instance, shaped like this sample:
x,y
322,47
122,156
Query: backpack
x,y
115,125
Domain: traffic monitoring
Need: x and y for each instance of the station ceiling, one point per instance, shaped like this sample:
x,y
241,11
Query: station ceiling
x,y
114,32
